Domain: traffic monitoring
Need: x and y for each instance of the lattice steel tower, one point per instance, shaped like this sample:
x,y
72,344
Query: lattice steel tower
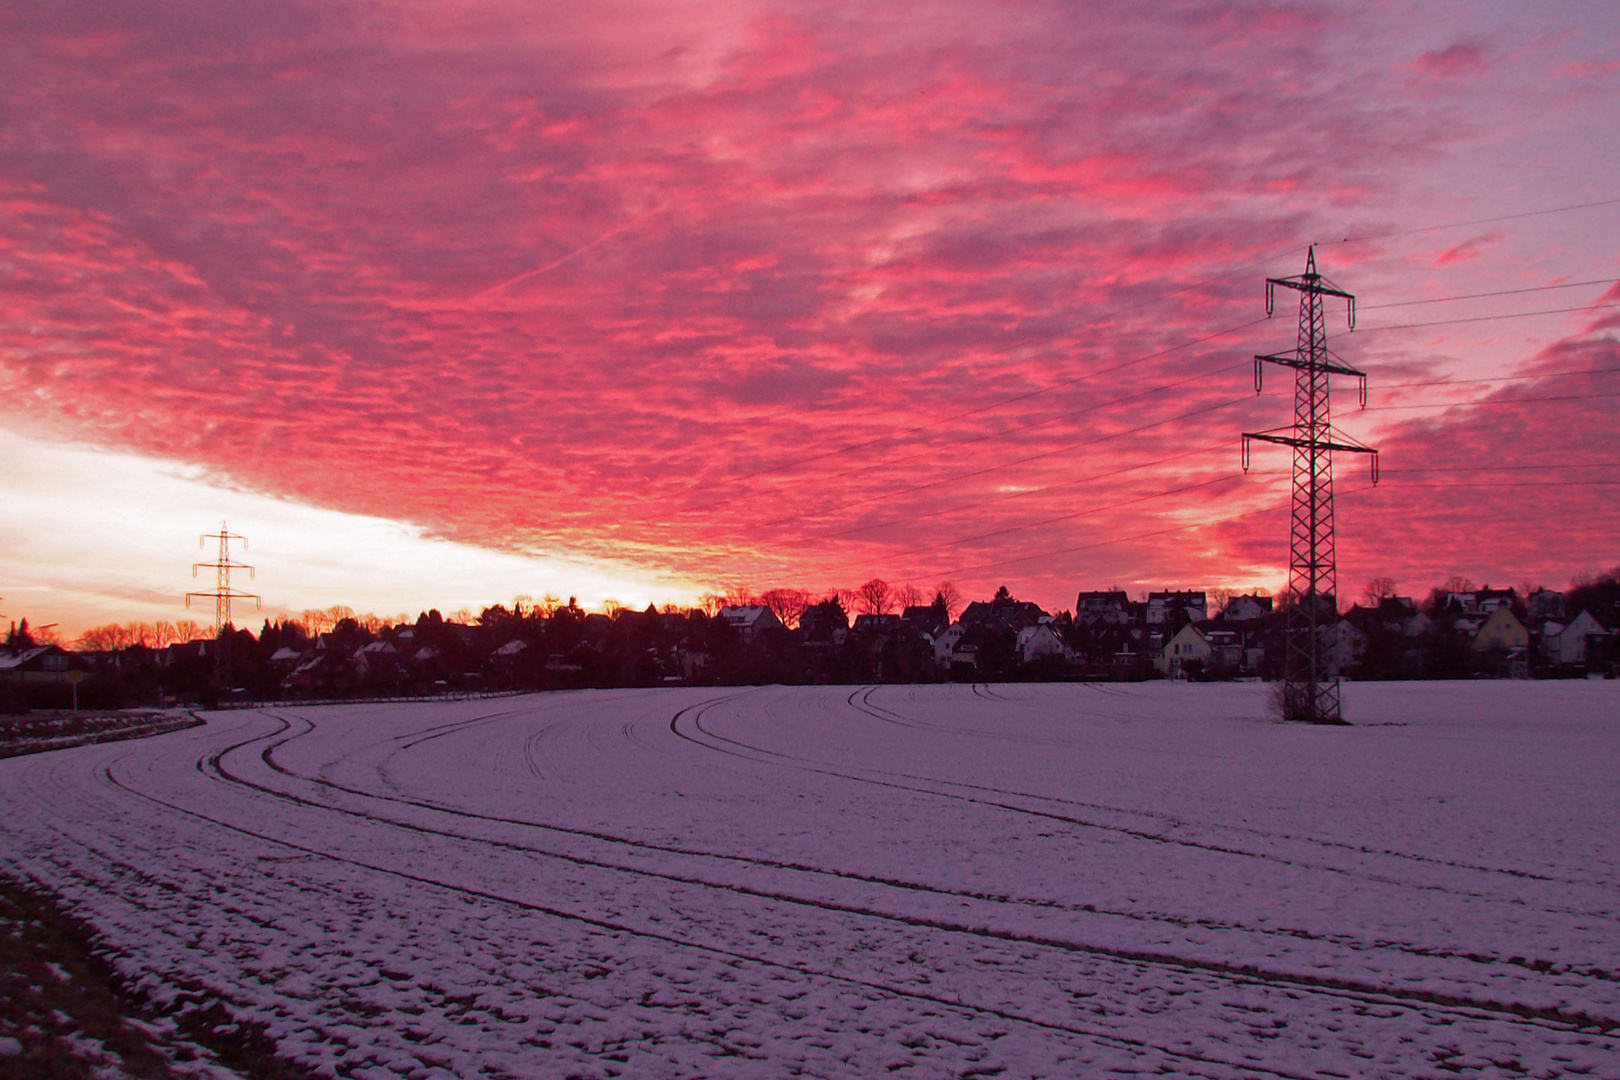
x,y
223,594
1309,692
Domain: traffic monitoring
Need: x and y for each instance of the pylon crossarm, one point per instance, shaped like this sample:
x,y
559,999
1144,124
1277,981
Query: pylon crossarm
x,y
1297,443
1328,363
1309,283
1332,365
1349,447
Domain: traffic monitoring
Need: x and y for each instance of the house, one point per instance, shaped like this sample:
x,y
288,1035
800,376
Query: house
x,y
1039,642
1187,646
1247,608
1167,607
876,624
1544,604
1117,652
750,621
927,619
1566,645
37,664
965,657
375,662
1481,602
1002,613
1226,647
824,624
1343,646
946,642
1111,606
1501,631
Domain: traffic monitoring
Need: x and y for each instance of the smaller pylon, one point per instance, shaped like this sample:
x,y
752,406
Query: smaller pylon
x,y
223,594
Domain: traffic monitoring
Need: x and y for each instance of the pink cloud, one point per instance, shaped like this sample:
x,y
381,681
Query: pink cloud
x,y
1462,59
1468,250
692,287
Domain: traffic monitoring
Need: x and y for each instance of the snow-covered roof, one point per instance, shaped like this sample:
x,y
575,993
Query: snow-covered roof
x,y
12,661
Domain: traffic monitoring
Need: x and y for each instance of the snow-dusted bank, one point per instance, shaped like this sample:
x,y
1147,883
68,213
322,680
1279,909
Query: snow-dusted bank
x,y
1022,880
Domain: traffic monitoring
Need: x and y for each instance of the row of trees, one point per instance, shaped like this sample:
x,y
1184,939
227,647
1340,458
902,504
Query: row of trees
x,y
875,597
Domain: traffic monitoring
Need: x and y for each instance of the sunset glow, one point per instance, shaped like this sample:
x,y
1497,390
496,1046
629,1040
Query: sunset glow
x,y
441,305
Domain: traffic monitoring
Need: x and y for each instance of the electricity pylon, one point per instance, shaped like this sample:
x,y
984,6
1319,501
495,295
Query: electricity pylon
x,y
223,594
1308,692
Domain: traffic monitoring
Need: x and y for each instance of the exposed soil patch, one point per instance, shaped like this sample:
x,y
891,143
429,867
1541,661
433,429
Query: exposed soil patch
x,y
66,1015
54,731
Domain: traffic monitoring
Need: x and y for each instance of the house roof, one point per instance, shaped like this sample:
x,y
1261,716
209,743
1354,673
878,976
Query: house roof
x,y
13,661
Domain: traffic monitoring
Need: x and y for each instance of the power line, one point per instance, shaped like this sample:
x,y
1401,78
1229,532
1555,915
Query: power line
x,y
896,493
891,462
1478,221
1005,496
1027,426
1495,486
1385,474
1069,382
1137,500
1489,401
1487,318
1500,378
1002,403
988,469
1483,295
1180,382
952,418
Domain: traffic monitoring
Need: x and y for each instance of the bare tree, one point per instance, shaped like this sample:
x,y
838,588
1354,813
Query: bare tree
x,y
737,594
952,596
907,596
93,639
315,621
1218,599
875,597
1376,590
1457,583
711,603
188,630
165,632
787,604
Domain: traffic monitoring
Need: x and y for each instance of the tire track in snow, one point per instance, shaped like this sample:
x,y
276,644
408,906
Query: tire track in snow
x,y
615,927
1242,1067
1514,1012
811,765
1004,899
876,711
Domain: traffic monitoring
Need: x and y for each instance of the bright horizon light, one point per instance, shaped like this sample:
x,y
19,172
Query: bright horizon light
x,y
123,514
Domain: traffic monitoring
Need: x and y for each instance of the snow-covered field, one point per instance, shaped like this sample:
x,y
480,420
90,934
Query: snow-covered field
x,y
1021,880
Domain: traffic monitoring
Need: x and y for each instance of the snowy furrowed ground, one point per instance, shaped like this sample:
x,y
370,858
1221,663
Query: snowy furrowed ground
x,y
930,881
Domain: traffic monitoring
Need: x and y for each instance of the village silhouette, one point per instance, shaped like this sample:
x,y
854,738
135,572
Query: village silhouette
x,y
876,633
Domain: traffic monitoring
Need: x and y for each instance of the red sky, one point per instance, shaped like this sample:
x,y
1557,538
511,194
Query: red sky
x,y
750,294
